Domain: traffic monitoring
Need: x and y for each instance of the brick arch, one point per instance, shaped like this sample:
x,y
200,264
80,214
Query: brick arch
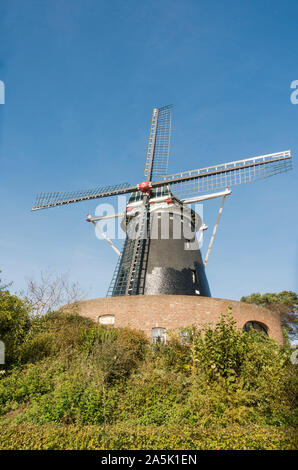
x,y
263,325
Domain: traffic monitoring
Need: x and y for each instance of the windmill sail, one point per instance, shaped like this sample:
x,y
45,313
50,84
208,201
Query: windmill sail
x,y
129,274
216,177
45,200
158,149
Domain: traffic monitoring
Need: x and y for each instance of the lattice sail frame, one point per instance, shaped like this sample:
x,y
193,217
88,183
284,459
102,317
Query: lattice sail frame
x,y
45,200
230,174
129,273
158,148
187,183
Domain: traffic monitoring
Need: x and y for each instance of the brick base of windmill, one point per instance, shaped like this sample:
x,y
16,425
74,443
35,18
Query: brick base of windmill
x,y
161,315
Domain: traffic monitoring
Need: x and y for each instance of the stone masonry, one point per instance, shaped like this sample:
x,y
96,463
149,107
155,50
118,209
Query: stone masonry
x,y
174,312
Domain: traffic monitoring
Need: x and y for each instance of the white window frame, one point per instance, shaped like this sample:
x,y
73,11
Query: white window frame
x,y
107,316
162,335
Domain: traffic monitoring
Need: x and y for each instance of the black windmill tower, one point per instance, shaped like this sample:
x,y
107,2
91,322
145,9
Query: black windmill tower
x,y
161,252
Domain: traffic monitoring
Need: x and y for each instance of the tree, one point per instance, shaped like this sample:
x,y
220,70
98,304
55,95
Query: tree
x,y
284,303
51,291
3,286
14,324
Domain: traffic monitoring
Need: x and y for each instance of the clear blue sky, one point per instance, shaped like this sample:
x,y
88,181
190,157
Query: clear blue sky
x,y
82,77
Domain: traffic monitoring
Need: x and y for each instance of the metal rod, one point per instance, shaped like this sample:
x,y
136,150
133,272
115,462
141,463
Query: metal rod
x,y
214,230
114,216
106,238
206,197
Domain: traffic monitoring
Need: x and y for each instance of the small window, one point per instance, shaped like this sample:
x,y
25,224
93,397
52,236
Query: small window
x,y
158,335
255,325
106,319
194,273
185,336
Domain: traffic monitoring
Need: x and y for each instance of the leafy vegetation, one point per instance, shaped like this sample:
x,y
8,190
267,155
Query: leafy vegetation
x,y
14,324
73,384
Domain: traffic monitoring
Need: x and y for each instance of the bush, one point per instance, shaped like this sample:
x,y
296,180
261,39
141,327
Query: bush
x,y
52,334
224,389
14,324
116,352
127,437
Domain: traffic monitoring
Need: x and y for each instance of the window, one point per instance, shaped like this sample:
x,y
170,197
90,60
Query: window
x,y
195,279
158,335
185,336
106,319
255,325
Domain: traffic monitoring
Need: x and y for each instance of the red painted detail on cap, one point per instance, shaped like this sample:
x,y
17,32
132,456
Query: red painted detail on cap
x,y
145,187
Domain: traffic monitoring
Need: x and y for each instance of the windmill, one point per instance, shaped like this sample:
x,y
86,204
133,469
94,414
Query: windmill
x,y
161,253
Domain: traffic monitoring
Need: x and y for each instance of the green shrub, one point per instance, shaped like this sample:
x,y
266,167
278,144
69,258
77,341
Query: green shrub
x,y
116,352
128,437
22,385
225,388
14,324
53,333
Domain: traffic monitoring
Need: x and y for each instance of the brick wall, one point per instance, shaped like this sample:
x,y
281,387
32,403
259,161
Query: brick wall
x,y
144,312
